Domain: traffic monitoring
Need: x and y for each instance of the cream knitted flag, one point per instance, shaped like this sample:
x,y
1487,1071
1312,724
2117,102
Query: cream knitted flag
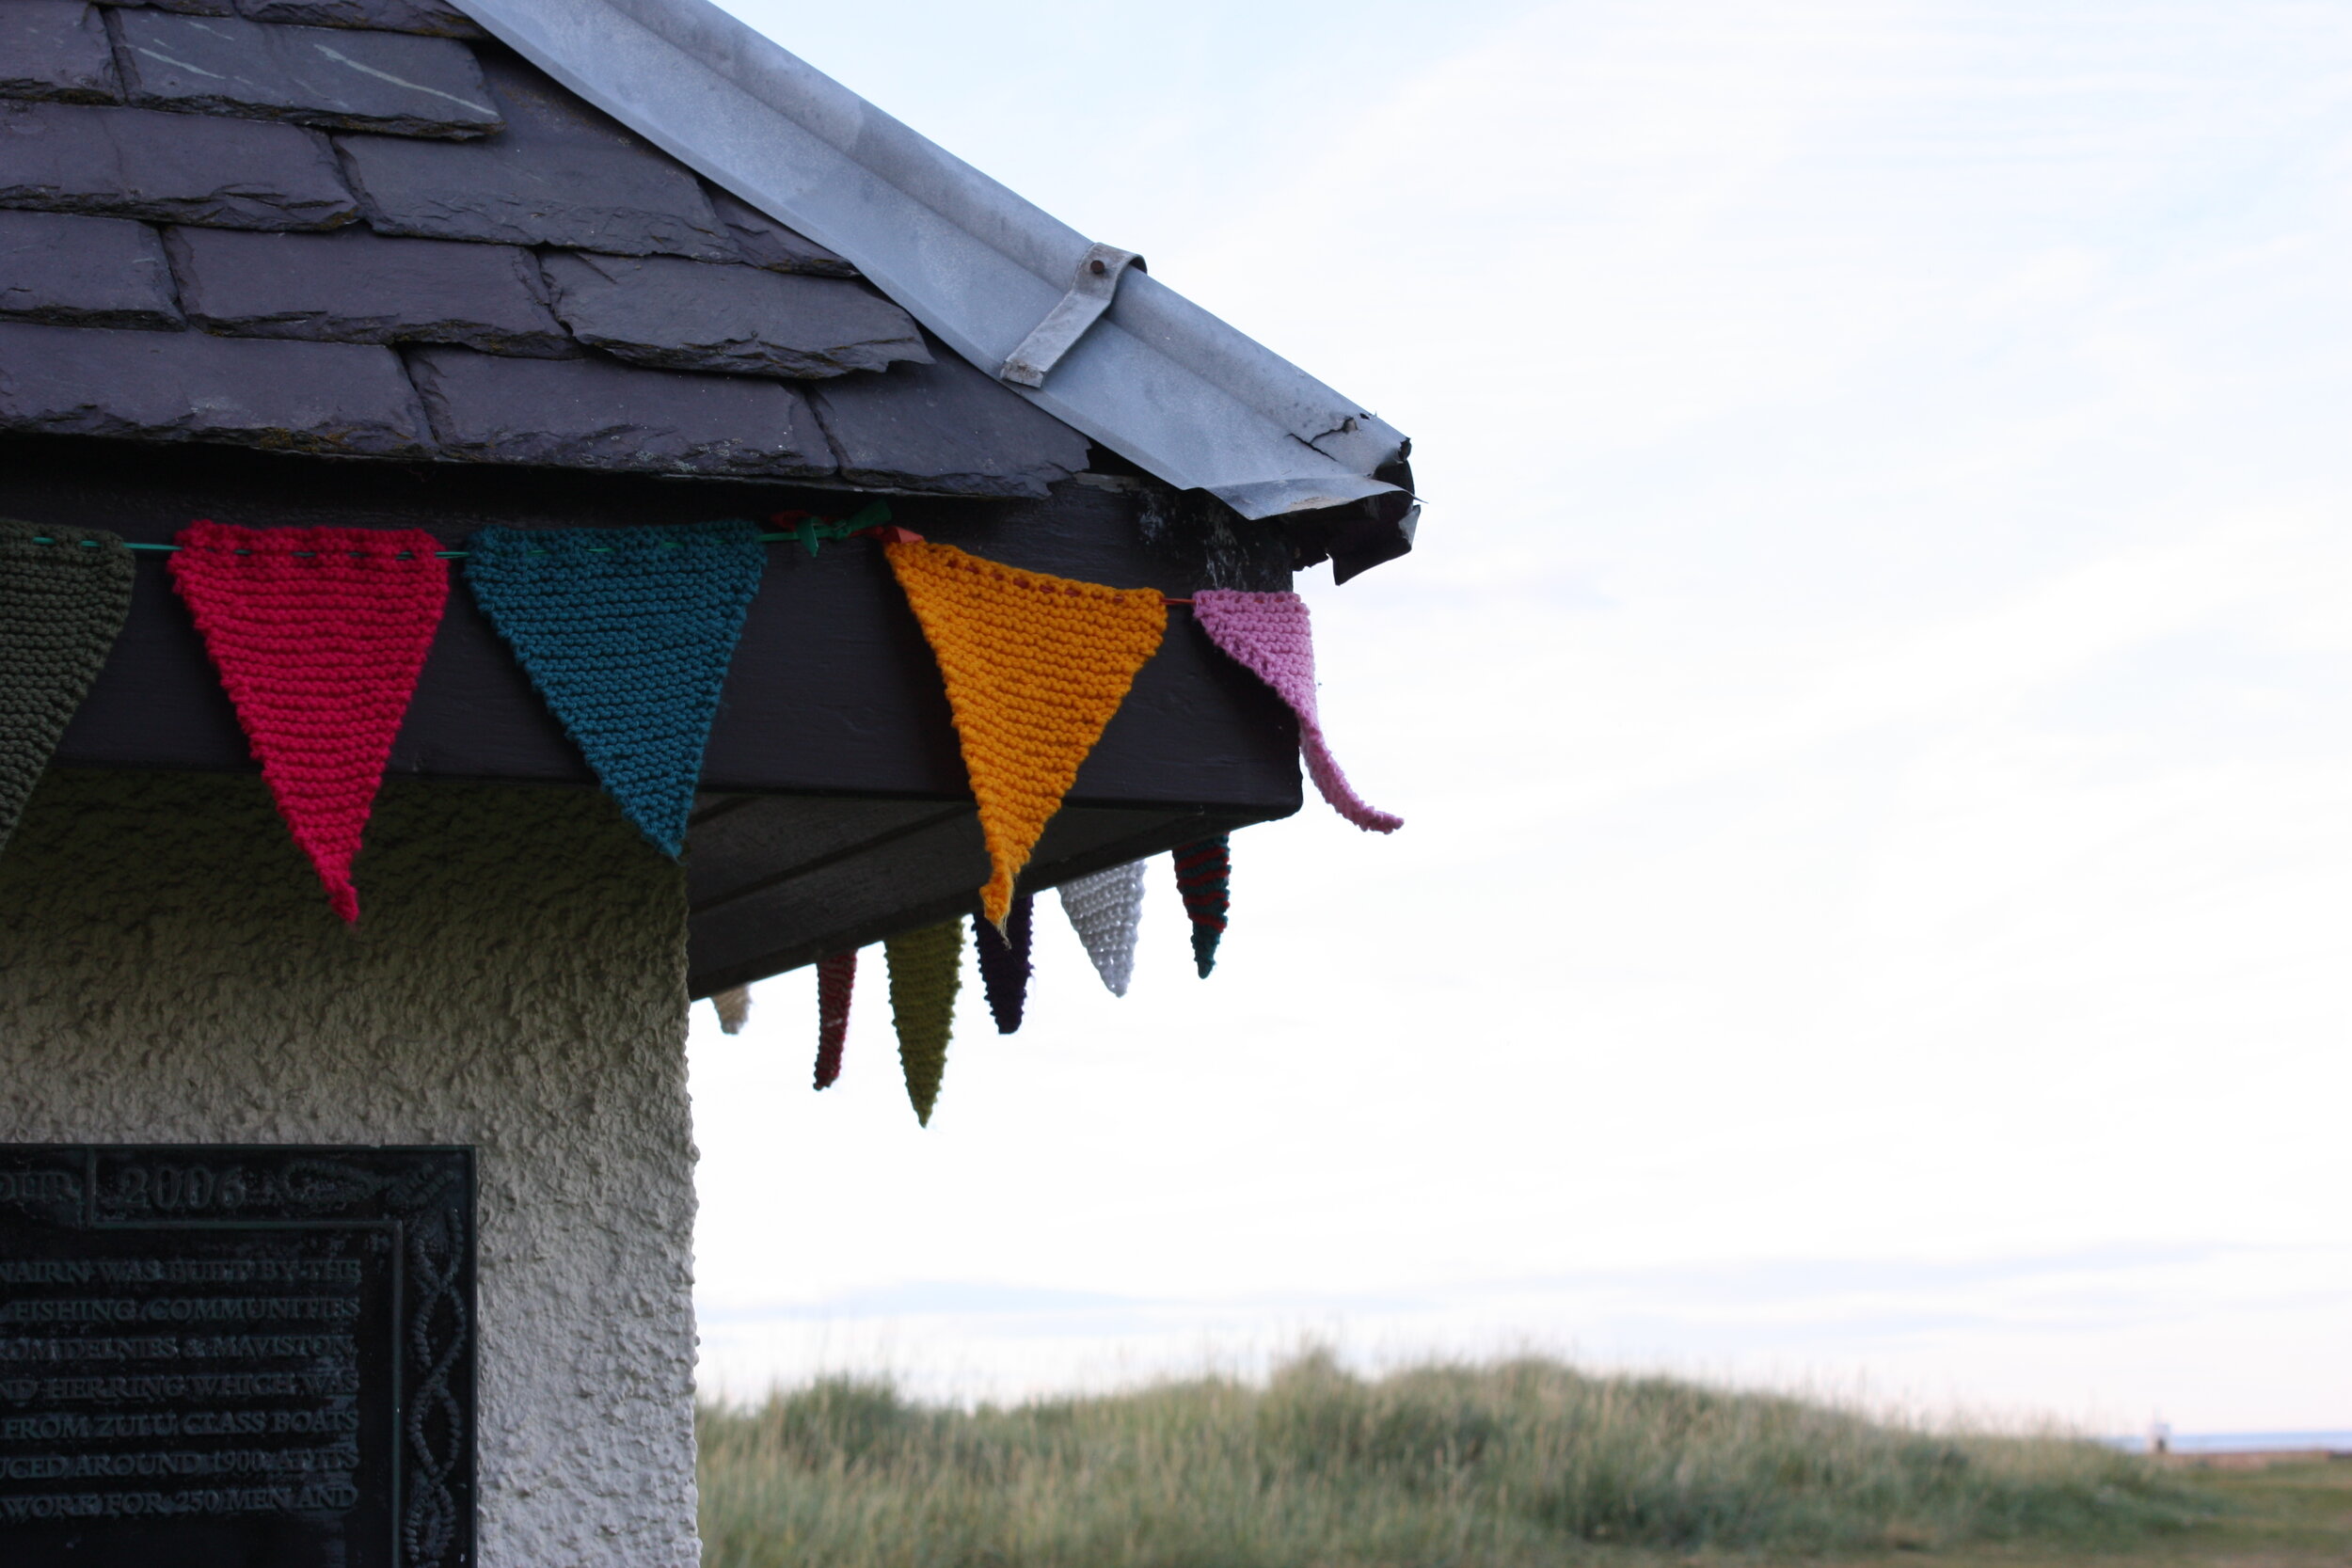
x,y
1103,909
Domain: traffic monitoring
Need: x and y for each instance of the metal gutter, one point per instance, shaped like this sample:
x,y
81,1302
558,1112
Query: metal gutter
x,y
1152,377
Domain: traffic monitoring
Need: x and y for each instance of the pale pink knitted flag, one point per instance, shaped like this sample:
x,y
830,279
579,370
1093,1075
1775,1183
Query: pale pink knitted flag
x,y
1267,634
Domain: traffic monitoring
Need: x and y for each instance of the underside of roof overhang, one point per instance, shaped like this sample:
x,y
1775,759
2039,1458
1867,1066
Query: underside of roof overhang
x,y
834,807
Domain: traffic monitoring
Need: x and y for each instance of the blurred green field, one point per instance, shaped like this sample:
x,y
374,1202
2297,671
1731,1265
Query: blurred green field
x,y
1505,1465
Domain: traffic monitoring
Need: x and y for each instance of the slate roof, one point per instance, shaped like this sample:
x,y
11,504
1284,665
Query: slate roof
x,y
361,228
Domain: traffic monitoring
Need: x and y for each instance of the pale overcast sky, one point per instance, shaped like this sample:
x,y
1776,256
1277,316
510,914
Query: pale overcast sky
x,y
1870,708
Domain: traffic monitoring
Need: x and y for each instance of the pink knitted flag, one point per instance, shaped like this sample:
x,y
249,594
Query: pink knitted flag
x,y
1269,635
318,634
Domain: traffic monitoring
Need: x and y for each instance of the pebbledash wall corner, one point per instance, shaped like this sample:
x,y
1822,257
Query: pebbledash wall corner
x,y
439,267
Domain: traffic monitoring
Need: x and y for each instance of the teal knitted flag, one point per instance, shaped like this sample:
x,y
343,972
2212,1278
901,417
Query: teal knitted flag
x,y
626,632
63,594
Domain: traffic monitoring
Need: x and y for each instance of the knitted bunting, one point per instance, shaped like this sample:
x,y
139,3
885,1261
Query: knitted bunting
x,y
1035,666
1105,910
626,632
836,977
925,971
734,1008
1005,964
318,634
1269,635
1205,870
63,594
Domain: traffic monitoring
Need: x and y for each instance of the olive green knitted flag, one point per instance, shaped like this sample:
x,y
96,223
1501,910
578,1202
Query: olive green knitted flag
x,y
926,967
63,594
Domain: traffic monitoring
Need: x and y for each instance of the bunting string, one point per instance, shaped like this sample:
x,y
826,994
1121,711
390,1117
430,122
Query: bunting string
x,y
627,633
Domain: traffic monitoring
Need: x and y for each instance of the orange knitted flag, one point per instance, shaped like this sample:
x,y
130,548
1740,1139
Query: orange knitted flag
x,y
1035,667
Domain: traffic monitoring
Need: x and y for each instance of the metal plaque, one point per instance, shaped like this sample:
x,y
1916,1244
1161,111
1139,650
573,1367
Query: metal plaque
x,y
220,1356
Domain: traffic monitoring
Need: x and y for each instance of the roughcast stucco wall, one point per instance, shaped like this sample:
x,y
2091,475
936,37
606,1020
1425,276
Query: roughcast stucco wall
x,y
169,971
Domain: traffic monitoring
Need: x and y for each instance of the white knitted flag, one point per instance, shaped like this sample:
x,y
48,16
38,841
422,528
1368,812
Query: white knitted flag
x,y
1103,909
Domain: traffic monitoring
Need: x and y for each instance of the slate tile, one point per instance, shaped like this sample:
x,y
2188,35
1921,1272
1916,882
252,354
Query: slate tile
x,y
328,398
56,48
185,8
511,192
945,427
593,413
695,316
539,109
385,16
764,243
178,168
355,287
410,86
86,271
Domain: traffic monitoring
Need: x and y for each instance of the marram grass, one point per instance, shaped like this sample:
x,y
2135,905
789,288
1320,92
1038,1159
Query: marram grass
x,y
1507,1465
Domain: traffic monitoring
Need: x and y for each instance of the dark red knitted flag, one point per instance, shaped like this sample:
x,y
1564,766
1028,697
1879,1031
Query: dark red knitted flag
x,y
318,634
1205,871
836,977
1005,964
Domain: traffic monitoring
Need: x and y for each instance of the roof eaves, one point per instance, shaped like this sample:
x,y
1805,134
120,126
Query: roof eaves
x,y
1157,379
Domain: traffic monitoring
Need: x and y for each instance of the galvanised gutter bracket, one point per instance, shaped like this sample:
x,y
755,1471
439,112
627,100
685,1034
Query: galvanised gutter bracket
x,y
1148,373
1090,293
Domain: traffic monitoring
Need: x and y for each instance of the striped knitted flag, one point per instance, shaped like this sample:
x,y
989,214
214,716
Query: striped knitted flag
x,y
318,634
1205,871
926,968
837,978
1005,964
1105,910
1269,635
63,594
626,632
1035,667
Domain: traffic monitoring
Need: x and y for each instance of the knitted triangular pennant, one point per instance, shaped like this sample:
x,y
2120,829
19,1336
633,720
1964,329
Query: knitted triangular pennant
x,y
836,977
63,593
1105,910
734,1008
926,967
1035,666
318,634
1205,871
1005,964
626,632
1268,634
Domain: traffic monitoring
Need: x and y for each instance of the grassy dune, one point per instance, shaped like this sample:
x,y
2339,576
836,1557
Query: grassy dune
x,y
1518,1464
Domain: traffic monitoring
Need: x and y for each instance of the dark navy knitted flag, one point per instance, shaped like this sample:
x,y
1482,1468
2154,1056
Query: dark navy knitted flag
x,y
626,632
1005,964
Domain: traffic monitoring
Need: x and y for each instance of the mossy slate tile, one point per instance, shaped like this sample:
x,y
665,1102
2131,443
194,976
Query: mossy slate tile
x,y
356,287
390,82
592,413
695,316
328,398
945,427
389,16
56,48
66,270
176,169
